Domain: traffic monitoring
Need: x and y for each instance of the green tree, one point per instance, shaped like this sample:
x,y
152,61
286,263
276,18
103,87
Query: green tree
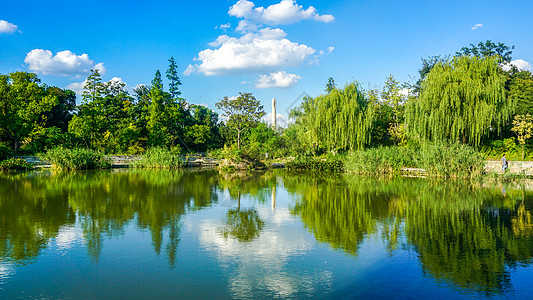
x,y
488,48
330,85
395,100
175,82
520,88
158,131
341,120
523,127
243,112
24,104
460,100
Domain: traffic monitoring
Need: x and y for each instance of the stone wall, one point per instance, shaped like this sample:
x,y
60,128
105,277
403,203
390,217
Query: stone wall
x,y
514,167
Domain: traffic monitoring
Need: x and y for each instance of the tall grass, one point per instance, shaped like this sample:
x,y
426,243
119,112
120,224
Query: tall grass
x,y
438,160
159,158
331,164
451,160
382,160
75,159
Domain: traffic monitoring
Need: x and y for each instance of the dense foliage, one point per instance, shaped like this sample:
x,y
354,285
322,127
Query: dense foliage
x,y
460,100
15,164
470,98
338,121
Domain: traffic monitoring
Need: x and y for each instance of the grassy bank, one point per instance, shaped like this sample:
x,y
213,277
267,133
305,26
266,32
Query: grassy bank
x,y
438,160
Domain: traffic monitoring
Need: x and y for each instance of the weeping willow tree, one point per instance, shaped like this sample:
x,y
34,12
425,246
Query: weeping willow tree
x,y
340,120
460,100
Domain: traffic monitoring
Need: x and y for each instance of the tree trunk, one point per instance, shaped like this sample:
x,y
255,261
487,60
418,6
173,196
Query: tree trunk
x,y
16,145
523,151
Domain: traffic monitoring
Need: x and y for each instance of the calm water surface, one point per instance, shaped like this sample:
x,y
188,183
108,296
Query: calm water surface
x,y
203,234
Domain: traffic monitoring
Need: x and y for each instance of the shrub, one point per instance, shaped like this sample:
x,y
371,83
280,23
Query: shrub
x,y
159,158
76,159
15,164
5,152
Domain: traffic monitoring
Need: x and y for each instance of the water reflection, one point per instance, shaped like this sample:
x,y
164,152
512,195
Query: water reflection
x,y
465,235
34,207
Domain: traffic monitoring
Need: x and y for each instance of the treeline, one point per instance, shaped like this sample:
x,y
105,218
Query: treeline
x,y
474,97
36,117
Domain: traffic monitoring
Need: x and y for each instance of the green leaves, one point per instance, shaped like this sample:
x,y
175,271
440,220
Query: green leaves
x,y
460,100
242,112
340,120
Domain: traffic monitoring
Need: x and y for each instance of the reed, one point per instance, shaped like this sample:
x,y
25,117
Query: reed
x,y
75,159
159,158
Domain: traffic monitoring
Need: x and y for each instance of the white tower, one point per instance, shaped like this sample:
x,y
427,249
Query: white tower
x,y
274,113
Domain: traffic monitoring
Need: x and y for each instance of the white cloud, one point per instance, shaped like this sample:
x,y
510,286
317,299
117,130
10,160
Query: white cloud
x,y
330,49
225,26
6,27
477,26
64,63
264,51
521,64
263,262
77,87
285,12
277,80
281,120
245,26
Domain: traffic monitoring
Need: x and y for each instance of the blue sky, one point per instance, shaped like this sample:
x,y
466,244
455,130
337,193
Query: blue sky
x,y
274,49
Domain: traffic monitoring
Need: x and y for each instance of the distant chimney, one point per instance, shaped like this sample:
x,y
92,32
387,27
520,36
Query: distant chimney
x,y
274,113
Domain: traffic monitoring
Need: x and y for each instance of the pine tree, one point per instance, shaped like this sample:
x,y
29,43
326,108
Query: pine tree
x,y
172,75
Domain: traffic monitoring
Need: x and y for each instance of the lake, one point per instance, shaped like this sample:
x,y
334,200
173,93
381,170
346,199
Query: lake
x,y
129,233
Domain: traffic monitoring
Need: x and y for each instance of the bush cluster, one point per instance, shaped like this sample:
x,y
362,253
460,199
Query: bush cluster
x,y
5,152
15,164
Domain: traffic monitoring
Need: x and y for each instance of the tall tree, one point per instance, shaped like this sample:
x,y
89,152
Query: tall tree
x,y
242,112
340,120
158,131
175,82
93,88
392,97
460,100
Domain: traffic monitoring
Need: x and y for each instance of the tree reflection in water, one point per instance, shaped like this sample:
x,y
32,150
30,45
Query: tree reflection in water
x,y
34,207
464,234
